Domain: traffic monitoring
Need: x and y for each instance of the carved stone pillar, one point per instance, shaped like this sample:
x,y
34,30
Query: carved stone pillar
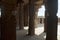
x,y
46,15
8,22
45,21
21,15
26,15
52,20
31,30
0,22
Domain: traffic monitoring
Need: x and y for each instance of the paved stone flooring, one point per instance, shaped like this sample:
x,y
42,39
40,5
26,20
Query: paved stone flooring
x,y
39,34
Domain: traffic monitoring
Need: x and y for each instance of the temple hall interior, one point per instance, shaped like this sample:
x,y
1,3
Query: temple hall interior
x,y
29,19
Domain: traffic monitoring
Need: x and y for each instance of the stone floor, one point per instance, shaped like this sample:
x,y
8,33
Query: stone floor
x,y
39,34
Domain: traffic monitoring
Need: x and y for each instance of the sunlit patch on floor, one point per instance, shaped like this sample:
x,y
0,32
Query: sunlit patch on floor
x,y
45,37
39,30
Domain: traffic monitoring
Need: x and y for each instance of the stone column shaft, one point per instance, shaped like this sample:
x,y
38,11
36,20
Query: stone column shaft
x,y
46,15
26,15
45,21
8,22
8,28
31,18
21,16
52,20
